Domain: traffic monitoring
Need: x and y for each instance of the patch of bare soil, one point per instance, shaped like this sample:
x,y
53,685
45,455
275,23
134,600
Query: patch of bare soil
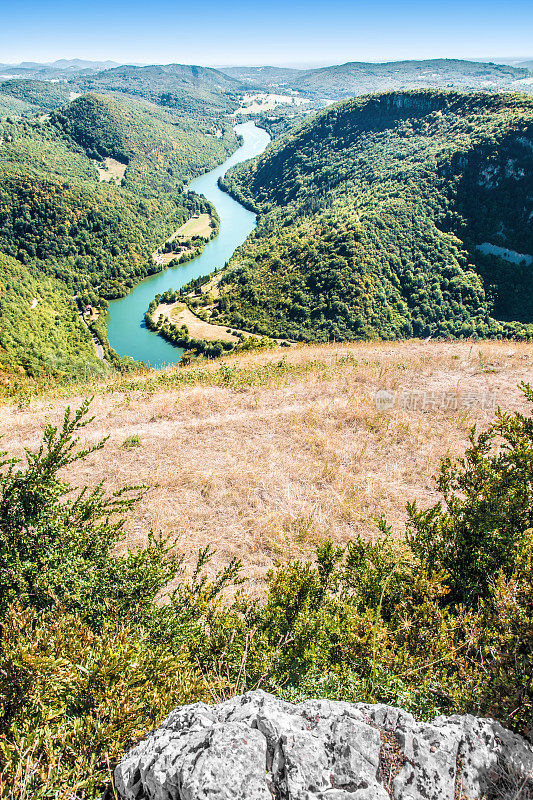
x,y
112,170
180,314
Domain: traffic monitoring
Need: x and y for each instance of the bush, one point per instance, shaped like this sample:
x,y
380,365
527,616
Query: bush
x,y
90,659
487,509
56,544
73,699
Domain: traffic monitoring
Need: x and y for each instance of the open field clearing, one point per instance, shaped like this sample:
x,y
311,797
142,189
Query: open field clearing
x,y
112,170
258,103
198,225
180,314
264,454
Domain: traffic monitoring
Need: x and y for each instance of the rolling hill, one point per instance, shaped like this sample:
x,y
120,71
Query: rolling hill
x,y
86,237
272,77
40,331
33,95
63,69
372,213
163,149
357,78
195,90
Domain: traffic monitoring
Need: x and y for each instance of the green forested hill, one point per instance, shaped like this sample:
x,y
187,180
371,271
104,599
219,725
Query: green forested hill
x,y
163,150
40,331
371,214
93,239
39,95
353,78
194,90
356,78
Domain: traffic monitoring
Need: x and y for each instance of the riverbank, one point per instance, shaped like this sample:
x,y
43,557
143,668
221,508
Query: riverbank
x,y
127,332
180,314
188,241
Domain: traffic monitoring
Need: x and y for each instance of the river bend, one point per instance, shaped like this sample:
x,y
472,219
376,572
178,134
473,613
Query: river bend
x,y
126,330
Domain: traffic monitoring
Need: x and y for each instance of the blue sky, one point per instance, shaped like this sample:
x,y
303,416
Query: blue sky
x,y
238,32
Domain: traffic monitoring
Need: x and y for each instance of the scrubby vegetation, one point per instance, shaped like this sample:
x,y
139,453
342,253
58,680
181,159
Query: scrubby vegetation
x,y
370,217
90,659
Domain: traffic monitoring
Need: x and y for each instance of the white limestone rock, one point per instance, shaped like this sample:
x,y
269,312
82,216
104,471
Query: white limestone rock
x,y
256,747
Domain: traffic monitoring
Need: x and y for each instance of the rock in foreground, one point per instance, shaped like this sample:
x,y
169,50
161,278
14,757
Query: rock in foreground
x,y
256,747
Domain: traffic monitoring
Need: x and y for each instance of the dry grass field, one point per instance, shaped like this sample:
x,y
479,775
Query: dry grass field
x,y
198,225
180,314
112,170
264,454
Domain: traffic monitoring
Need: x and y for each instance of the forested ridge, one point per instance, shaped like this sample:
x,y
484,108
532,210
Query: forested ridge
x,y
353,78
40,332
163,150
93,238
370,216
26,97
200,92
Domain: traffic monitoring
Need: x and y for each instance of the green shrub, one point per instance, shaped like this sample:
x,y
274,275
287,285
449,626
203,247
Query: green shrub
x,y
487,507
56,544
90,659
72,700
131,441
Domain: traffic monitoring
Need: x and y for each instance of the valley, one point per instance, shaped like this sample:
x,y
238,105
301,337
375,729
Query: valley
x,y
127,333
371,213
266,367
327,261
94,238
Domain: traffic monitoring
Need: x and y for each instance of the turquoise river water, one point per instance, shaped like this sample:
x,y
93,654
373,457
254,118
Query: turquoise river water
x,y
127,332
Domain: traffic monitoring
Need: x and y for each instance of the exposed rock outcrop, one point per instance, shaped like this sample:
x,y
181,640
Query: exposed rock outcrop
x,y
256,747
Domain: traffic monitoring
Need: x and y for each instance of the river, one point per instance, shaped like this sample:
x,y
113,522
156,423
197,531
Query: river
x,y
127,332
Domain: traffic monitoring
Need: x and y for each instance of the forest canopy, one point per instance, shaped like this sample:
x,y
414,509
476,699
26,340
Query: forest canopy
x,y
371,217
93,237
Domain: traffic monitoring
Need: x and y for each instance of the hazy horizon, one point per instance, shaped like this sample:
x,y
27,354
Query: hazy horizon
x,y
282,65
277,34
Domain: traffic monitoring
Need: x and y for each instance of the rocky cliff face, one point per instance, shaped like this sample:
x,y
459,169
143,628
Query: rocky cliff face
x,y
256,747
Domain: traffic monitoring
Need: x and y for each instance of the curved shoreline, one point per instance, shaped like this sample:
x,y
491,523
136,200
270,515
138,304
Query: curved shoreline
x,y
127,332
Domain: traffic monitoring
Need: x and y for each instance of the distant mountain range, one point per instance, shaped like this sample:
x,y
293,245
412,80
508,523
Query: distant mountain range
x,y
62,64
357,78
207,92
200,91
61,70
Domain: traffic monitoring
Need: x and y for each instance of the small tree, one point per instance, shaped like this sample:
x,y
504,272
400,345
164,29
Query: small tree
x,y
56,544
477,530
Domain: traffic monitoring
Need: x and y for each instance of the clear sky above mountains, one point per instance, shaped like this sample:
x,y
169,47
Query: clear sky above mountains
x,y
252,32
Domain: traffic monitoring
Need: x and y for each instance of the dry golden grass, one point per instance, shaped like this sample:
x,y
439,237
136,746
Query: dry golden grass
x,y
262,469
181,314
